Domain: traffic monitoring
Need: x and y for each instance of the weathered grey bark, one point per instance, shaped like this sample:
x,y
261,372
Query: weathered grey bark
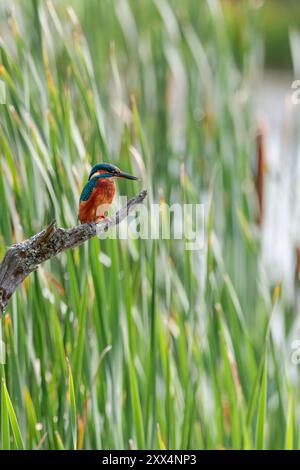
x,y
23,258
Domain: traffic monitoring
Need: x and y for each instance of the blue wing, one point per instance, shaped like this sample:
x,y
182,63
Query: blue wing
x,y
88,189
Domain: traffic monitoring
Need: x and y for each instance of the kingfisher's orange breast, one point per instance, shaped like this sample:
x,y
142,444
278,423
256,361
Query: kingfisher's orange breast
x,y
96,207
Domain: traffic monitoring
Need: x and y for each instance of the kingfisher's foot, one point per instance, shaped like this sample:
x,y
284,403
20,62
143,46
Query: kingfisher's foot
x,y
100,218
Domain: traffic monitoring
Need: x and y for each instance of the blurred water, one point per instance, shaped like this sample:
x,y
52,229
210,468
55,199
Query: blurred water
x,y
275,112
280,119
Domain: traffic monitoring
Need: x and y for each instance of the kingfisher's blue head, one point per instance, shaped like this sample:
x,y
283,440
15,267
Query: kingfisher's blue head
x,y
106,170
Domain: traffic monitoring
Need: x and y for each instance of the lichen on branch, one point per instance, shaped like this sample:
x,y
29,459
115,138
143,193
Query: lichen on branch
x,y
23,258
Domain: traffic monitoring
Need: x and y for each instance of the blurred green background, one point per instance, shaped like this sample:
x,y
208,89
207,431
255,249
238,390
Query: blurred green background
x,y
275,19
141,343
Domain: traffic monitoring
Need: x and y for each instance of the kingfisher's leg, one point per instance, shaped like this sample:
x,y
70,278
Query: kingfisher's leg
x,y
100,218
102,211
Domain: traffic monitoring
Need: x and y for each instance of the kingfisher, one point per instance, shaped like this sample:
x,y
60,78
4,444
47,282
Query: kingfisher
x,y
99,192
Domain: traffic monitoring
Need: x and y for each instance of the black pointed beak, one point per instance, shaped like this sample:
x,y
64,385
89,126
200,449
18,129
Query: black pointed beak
x,y
127,176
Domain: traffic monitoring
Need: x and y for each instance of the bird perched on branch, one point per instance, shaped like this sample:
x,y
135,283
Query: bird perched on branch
x,y
99,192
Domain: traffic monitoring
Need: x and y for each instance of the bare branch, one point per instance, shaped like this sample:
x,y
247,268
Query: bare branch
x,y
23,258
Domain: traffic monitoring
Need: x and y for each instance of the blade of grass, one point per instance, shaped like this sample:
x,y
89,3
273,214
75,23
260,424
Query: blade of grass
x,y
5,435
261,414
73,418
12,418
